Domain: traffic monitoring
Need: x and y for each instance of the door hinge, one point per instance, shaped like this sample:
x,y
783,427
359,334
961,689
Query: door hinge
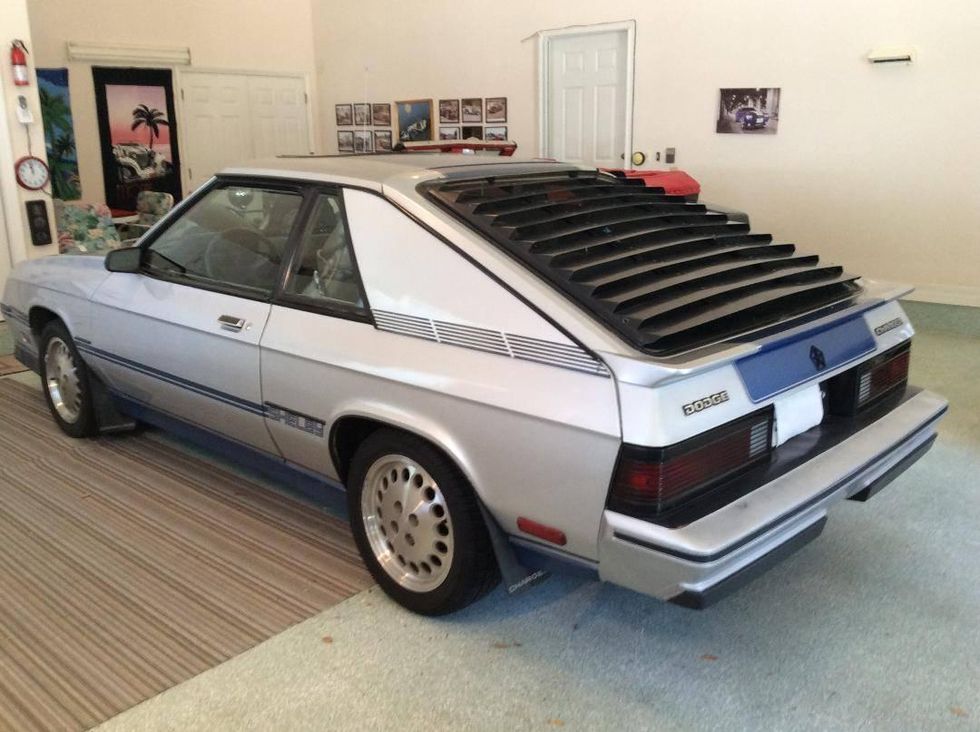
x,y
190,173
182,95
306,99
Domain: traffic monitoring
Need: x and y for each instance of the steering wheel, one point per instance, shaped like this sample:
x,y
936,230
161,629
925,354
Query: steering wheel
x,y
223,255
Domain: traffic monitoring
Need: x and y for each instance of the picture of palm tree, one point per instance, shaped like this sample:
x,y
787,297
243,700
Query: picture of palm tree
x,y
59,136
144,116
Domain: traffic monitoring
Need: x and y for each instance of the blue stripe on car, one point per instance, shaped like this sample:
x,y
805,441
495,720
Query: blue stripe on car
x,y
86,347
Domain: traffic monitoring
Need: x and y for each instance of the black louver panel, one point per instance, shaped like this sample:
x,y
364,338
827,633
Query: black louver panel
x,y
667,275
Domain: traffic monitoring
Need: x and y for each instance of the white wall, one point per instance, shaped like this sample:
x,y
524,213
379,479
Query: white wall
x,y
14,233
876,168
244,35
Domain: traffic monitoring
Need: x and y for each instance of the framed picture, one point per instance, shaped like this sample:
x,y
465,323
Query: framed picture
x,y
495,133
363,141
345,141
414,120
449,111
362,115
59,133
382,140
496,109
344,115
381,115
449,133
475,132
748,111
137,132
473,110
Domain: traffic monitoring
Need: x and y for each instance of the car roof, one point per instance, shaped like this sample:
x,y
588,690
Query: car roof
x,y
375,169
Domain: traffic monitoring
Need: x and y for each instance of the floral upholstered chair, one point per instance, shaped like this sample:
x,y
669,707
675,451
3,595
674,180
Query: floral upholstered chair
x,y
151,206
84,227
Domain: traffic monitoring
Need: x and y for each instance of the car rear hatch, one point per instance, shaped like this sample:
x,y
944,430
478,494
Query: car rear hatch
x,y
668,276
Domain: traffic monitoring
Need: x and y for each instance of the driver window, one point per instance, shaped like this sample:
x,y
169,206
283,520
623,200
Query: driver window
x,y
324,271
235,235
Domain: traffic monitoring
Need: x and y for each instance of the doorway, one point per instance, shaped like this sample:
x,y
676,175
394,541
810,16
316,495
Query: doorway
x,y
586,81
233,117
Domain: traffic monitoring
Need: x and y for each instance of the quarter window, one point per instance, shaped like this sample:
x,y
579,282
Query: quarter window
x,y
324,272
234,235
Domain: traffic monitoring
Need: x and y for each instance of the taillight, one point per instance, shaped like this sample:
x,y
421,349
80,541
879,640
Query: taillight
x,y
868,382
649,481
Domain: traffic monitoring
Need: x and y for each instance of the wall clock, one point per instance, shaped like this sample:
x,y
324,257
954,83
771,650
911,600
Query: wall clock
x,y
32,173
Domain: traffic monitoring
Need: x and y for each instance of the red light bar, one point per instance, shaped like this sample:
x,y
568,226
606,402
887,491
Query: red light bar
x,y
650,480
548,533
883,377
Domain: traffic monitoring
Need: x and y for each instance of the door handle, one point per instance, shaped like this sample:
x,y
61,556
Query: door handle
x,y
230,322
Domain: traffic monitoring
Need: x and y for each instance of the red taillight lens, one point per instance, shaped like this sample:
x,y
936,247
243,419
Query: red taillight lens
x,y
883,377
652,480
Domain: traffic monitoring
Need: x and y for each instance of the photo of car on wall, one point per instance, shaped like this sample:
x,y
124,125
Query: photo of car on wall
x,y
748,111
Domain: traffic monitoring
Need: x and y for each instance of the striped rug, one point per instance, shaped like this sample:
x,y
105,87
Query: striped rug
x,y
128,566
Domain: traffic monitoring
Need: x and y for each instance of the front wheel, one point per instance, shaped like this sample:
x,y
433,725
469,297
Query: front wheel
x,y
66,382
418,526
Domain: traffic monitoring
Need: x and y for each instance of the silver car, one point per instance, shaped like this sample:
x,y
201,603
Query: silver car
x,y
511,366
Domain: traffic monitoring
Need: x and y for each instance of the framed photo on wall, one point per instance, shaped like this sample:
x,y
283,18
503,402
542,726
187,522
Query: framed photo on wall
x,y
496,109
495,133
137,133
473,110
449,133
345,141
381,115
362,115
414,120
472,132
363,141
449,111
750,111
344,115
382,140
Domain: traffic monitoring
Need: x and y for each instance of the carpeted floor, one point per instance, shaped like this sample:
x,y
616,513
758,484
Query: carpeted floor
x,y
129,566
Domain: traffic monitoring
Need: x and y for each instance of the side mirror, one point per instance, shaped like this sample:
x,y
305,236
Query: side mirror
x,y
124,260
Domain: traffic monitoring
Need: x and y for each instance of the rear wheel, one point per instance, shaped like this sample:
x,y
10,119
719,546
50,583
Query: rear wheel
x,y
417,525
66,382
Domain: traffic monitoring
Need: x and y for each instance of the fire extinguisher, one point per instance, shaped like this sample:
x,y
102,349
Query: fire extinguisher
x,y
18,60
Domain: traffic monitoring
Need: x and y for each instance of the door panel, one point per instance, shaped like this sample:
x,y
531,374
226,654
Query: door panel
x,y
219,131
587,98
277,108
161,343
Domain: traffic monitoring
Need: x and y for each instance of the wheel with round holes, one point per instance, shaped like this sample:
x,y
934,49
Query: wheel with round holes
x,y
65,380
417,524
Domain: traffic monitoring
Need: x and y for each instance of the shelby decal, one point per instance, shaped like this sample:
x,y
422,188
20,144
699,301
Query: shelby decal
x,y
298,421
890,325
699,405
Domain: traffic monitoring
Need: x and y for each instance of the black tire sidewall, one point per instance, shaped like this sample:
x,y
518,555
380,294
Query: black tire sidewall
x,y
85,425
473,570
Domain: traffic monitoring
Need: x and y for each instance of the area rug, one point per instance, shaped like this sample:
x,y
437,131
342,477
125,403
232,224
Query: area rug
x,y
128,565
10,365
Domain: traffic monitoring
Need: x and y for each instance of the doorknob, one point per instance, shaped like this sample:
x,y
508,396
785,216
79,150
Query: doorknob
x,y
230,322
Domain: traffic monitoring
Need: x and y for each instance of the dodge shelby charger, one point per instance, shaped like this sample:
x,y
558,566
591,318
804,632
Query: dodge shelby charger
x,y
509,365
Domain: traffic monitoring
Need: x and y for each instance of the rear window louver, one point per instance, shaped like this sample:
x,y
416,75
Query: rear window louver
x,y
667,275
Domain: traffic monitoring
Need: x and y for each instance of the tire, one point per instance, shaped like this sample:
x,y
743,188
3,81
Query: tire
x,y
65,381
417,524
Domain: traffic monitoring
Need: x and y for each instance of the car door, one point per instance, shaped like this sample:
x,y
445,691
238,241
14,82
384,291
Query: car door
x,y
318,325
182,336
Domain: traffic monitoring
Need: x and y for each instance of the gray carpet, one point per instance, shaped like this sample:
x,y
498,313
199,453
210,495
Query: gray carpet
x,y
874,626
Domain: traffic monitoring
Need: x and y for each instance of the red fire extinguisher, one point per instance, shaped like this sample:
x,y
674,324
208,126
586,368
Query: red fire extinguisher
x,y
18,60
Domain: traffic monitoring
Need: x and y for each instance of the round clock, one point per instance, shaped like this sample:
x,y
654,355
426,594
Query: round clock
x,y
32,173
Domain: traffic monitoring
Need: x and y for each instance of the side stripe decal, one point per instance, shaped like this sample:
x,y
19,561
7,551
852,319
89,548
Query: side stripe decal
x,y
475,338
230,399
14,314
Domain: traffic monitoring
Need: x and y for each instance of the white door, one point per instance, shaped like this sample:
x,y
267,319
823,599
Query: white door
x,y
4,254
232,118
217,129
587,98
277,106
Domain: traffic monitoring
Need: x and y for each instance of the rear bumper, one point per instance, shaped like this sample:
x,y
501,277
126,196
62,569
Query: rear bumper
x,y
697,564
